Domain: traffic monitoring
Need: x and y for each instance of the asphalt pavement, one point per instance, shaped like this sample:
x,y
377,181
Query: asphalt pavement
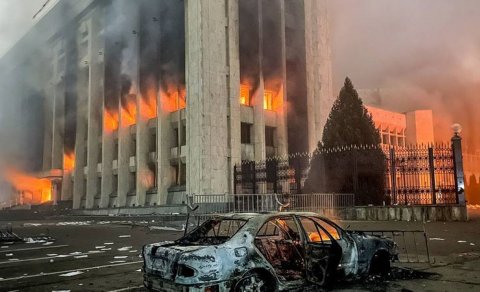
x,y
92,255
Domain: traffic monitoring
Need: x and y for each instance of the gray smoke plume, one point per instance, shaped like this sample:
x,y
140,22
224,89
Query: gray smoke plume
x,y
423,54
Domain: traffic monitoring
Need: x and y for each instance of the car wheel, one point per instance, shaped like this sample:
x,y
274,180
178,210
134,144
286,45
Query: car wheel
x,y
380,264
253,282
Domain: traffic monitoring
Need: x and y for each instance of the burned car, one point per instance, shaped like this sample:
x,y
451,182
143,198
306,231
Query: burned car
x,y
264,252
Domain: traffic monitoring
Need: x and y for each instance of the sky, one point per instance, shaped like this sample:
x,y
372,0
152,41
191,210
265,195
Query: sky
x,y
426,53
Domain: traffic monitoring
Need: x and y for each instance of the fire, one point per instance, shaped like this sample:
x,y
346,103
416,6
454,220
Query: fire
x,y
68,161
34,190
268,100
173,99
148,108
129,111
110,121
245,95
272,100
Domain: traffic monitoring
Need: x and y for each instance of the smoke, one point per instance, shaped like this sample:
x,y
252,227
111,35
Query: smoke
x,y
421,54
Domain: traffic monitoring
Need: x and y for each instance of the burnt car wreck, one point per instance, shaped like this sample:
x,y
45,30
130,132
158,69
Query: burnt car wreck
x,y
264,252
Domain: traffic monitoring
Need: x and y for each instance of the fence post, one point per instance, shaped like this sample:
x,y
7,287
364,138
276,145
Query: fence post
x,y
355,171
275,176
235,179
254,176
458,168
431,168
298,175
393,174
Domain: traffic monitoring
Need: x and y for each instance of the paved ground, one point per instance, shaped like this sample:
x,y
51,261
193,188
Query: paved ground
x,y
101,256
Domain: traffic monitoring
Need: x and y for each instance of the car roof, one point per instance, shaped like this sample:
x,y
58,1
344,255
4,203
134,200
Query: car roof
x,y
266,215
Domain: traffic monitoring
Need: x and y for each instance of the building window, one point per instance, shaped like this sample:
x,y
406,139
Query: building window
x,y
115,150
245,95
270,136
268,100
153,141
133,146
175,137
115,184
183,138
246,132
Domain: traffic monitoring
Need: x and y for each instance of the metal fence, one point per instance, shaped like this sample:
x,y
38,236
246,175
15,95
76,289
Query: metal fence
x,y
413,175
253,203
421,175
412,244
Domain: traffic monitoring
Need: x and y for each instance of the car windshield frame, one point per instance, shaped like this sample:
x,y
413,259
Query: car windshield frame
x,y
199,235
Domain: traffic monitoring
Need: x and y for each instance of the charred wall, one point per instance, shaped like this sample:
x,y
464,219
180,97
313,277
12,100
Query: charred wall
x,y
296,77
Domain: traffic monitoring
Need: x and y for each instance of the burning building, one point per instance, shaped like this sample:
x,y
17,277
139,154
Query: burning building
x,y
144,101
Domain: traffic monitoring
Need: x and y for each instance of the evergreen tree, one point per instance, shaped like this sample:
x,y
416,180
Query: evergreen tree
x,y
357,170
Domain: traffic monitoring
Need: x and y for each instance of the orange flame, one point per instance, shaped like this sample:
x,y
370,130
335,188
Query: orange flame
x,y
110,121
129,111
35,190
173,99
272,100
245,94
147,109
68,161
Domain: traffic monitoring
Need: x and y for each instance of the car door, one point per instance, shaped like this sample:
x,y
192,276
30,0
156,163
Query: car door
x,y
322,252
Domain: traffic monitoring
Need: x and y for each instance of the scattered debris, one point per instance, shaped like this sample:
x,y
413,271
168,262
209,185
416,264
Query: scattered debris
x,y
71,274
125,248
8,236
75,223
32,224
165,228
45,239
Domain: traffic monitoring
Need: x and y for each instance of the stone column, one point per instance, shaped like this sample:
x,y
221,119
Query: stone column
x,y
233,65
144,174
207,112
282,138
130,68
80,139
95,97
320,96
164,137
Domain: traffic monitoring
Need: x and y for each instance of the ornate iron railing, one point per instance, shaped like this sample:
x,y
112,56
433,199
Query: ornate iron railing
x,y
414,175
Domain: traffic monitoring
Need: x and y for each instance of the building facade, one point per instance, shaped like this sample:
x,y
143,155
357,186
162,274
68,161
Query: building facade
x,y
147,100
403,129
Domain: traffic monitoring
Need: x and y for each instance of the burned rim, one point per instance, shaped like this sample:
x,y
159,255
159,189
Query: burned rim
x,y
253,282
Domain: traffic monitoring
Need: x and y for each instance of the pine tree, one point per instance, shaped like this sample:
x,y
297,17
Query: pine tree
x,y
356,170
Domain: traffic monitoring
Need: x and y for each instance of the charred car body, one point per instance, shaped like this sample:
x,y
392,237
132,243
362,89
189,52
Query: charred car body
x,y
264,252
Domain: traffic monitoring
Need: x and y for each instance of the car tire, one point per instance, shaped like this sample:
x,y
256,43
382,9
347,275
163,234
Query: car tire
x,y
253,282
380,264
